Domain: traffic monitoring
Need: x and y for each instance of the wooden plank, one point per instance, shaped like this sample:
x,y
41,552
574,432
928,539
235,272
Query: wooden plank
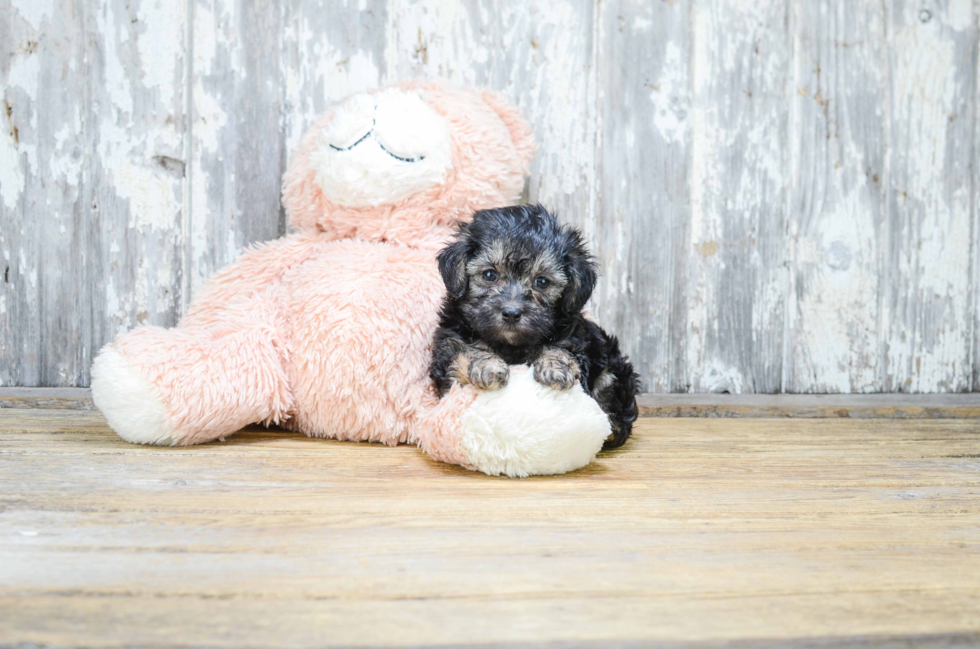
x,y
813,406
146,621
92,180
643,213
237,154
771,532
974,294
741,63
839,96
28,102
726,177
262,73
933,54
49,398
538,54
806,406
329,50
138,126
43,209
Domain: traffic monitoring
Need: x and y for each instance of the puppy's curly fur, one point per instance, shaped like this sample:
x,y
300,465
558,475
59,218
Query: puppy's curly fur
x,y
516,283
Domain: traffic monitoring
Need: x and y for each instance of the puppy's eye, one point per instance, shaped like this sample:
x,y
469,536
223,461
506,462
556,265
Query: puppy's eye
x,y
541,282
490,275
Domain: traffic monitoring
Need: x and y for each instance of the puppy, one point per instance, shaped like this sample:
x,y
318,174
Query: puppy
x,y
516,283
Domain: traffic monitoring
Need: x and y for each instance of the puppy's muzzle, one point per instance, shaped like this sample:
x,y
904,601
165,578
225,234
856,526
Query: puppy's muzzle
x,y
513,306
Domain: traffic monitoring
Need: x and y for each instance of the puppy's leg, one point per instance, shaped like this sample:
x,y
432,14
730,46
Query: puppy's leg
x,y
556,368
445,349
482,368
454,361
615,390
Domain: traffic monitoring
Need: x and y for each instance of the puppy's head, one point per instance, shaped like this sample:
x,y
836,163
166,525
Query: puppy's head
x,y
514,270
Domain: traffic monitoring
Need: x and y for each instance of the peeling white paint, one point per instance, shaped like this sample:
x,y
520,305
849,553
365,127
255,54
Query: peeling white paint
x,y
315,64
35,12
438,42
139,128
152,200
212,37
959,14
117,84
25,73
161,45
11,177
716,376
642,24
931,326
64,166
856,316
736,275
704,186
539,55
668,96
835,204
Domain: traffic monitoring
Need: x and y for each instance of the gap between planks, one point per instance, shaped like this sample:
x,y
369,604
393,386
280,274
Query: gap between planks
x,y
801,406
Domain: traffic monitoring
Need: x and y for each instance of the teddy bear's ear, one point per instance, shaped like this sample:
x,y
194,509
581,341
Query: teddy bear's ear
x,y
520,131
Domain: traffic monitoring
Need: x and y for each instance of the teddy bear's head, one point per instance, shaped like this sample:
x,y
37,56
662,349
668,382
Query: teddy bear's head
x,y
405,162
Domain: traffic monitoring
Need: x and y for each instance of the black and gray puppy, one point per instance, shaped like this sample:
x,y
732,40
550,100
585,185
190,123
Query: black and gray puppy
x,y
517,281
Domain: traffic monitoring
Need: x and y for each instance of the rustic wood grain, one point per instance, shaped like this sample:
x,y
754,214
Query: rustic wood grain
x,y
237,155
839,95
932,166
49,398
329,50
698,530
539,55
643,212
741,59
783,195
91,176
805,406
813,406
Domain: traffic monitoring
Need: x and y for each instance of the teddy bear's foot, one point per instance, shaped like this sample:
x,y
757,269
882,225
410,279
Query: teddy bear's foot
x,y
188,386
128,401
530,429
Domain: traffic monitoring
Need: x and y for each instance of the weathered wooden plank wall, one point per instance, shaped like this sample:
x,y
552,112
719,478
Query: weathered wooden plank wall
x,y
783,193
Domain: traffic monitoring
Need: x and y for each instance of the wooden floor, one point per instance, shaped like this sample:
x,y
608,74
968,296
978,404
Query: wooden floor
x,y
700,531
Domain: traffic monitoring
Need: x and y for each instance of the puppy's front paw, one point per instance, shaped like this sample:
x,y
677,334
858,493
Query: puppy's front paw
x,y
489,373
556,368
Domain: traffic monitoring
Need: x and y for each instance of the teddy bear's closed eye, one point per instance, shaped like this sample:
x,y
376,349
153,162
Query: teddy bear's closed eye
x,y
381,148
409,159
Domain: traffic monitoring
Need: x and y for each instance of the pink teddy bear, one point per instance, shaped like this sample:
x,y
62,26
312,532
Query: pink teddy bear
x,y
328,331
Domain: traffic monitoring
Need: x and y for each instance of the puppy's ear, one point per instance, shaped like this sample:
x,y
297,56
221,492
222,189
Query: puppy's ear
x,y
581,272
452,267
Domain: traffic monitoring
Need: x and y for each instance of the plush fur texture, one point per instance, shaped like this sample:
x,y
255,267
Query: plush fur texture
x,y
328,331
492,149
516,283
527,429
128,401
382,148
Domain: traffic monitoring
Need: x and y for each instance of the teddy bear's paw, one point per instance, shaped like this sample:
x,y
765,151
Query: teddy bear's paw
x,y
128,401
529,429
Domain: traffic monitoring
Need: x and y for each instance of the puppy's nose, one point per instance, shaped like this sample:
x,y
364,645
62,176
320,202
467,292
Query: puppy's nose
x,y
512,314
